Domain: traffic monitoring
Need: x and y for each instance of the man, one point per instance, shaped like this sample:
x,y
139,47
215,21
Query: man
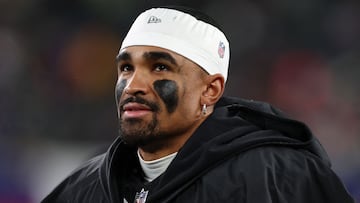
x,y
182,141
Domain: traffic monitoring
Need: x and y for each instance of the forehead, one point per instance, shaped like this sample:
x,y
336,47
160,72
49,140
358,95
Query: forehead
x,y
142,51
139,52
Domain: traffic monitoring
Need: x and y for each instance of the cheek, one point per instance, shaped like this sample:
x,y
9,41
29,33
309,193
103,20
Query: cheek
x,y
119,89
168,92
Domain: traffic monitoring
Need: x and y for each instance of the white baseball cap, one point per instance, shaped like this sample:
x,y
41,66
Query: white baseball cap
x,y
184,34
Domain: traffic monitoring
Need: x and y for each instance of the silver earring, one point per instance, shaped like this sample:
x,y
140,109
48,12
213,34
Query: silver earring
x,y
204,109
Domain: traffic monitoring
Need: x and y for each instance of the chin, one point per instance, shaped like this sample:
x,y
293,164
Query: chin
x,y
137,132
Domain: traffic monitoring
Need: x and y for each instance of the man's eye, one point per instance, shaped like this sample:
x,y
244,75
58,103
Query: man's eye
x,y
126,68
161,67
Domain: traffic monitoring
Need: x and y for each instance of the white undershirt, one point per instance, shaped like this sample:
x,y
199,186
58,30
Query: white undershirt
x,y
153,169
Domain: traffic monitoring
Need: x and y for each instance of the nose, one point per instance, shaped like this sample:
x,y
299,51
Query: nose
x,y
137,84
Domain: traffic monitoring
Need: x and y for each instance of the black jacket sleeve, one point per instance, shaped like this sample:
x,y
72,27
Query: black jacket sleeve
x,y
290,175
83,185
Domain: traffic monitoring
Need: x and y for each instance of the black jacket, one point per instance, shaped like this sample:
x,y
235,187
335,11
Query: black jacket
x,y
245,151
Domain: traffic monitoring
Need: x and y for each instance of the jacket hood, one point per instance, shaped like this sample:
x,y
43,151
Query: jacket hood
x,y
235,126
268,117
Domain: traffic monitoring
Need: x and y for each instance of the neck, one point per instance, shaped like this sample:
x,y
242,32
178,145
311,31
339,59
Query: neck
x,y
153,169
162,148
157,151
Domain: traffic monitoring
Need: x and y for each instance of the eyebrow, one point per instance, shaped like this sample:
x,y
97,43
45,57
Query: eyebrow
x,y
156,55
124,56
153,55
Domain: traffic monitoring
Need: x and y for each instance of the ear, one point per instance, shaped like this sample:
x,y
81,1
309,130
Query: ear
x,y
214,89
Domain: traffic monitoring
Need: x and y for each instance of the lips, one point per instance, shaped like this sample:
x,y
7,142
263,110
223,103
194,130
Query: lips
x,y
134,106
135,110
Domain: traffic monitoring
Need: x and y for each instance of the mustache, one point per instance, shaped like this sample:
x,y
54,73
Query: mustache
x,y
153,106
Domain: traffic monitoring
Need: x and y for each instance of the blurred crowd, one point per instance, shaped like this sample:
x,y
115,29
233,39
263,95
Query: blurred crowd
x,y
57,77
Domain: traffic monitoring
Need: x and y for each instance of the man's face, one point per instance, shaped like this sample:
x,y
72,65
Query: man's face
x,y
157,95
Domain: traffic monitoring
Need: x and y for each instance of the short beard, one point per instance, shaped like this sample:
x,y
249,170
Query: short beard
x,y
136,133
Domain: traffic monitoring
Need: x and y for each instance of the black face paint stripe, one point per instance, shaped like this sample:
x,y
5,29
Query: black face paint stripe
x,y
119,89
168,92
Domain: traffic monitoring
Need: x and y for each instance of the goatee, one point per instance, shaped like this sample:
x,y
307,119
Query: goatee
x,y
137,132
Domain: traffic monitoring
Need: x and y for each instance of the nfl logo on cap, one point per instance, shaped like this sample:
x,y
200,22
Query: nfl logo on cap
x,y
221,50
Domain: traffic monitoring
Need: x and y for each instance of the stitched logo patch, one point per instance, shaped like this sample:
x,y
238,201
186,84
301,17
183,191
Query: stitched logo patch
x,y
221,50
154,19
141,196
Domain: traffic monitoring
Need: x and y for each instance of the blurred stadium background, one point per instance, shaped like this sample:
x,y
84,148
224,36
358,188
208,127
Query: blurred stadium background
x,y
57,77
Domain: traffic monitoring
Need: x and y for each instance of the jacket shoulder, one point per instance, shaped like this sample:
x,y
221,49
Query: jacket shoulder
x,y
287,174
82,185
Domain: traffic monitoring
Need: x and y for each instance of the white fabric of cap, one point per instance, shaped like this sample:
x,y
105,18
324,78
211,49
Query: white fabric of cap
x,y
201,42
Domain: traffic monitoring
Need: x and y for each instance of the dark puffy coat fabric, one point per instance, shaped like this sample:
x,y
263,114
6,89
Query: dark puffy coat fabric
x,y
246,151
